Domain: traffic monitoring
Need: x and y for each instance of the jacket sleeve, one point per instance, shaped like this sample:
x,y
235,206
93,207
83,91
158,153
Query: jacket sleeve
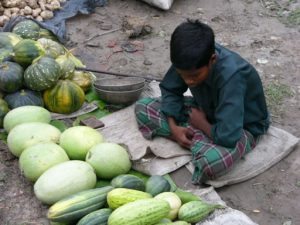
x,y
229,113
172,88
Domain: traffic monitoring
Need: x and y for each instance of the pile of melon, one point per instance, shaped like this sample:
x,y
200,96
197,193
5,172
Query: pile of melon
x,y
87,181
35,69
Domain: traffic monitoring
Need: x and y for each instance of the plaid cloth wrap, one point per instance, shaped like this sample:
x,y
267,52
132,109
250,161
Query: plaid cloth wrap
x,y
210,160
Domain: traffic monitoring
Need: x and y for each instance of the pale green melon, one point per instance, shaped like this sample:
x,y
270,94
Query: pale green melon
x,y
23,114
78,140
25,135
64,179
109,160
174,202
38,158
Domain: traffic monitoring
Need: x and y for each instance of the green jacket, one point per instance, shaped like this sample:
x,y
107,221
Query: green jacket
x,y
232,97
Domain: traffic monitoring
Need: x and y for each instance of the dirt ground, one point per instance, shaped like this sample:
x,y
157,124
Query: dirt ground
x,y
261,31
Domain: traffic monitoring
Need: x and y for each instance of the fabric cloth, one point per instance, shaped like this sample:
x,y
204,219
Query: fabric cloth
x,y
210,160
232,97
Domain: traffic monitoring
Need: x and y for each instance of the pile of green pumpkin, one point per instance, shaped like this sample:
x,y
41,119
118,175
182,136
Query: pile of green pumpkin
x,y
35,69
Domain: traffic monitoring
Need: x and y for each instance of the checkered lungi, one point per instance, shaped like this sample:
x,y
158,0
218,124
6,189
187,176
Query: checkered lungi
x,y
210,160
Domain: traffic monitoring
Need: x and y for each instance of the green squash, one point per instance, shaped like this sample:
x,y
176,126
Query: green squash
x,y
27,29
11,77
9,40
67,65
98,217
52,48
26,51
128,181
3,111
157,184
6,54
65,97
42,74
24,97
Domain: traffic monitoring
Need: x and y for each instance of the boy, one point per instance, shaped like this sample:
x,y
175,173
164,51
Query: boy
x,y
227,110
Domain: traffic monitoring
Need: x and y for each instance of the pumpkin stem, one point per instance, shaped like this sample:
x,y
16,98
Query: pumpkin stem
x,y
22,92
37,59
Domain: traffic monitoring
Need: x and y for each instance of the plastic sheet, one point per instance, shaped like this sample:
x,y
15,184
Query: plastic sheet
x,y
162,4
58,23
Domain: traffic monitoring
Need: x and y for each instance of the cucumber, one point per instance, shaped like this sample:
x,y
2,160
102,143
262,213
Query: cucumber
x,y
128,181
140,212
78,205
157,184
122,196
196,211
98,217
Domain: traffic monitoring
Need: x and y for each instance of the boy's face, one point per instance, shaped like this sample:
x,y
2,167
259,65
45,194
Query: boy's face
x,y
195,77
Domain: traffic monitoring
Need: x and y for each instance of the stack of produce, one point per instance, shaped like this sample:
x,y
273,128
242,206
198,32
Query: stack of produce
x,y
36,9
35,69
87,181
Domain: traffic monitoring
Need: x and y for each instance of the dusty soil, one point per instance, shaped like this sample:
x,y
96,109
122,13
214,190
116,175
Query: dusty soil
x,y
257,30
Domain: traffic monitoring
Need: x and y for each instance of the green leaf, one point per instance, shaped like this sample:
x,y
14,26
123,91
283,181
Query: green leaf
x,y
91,95
101,104
59,124
186,196
172,183
3,136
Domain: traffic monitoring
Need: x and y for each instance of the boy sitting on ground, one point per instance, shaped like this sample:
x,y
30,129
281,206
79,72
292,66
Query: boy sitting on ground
x,y
226,113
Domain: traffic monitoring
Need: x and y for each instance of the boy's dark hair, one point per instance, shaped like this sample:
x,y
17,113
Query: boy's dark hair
x,y
192,45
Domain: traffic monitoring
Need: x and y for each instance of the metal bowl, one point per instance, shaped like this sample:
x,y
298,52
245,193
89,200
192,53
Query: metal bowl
x,y
119,97
120,84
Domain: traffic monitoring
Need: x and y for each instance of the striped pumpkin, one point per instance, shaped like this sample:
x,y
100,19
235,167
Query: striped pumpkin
x,y
42,74
65,97
53,49
26,51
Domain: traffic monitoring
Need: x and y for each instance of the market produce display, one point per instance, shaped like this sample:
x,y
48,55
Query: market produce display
x,y
35,69
87,181
82,178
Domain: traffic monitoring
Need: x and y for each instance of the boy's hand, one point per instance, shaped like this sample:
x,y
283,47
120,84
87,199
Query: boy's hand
x,y
198,120
182,136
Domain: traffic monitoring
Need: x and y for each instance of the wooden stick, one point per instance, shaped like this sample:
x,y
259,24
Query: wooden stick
x,y
116,73
98,35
